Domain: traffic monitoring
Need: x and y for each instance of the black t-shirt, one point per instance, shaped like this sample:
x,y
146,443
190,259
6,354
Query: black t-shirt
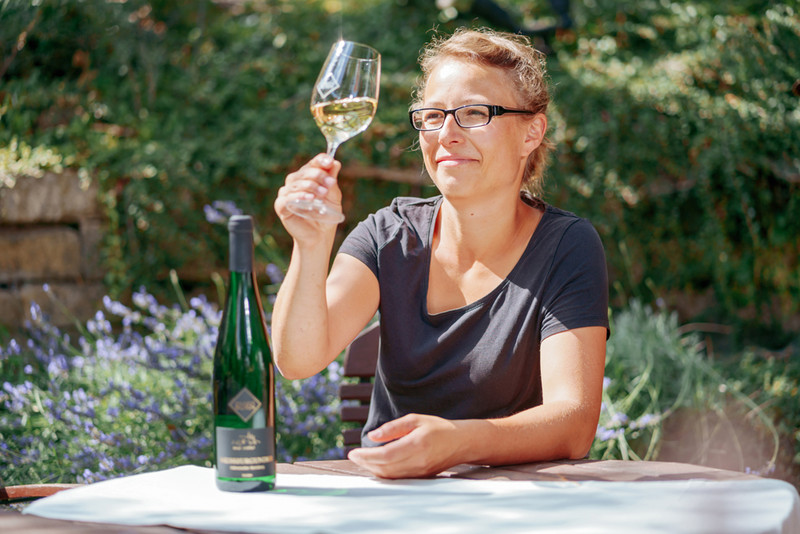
x,y
481,360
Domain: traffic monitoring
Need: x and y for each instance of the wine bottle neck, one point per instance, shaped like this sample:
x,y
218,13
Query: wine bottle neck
x,y
241,252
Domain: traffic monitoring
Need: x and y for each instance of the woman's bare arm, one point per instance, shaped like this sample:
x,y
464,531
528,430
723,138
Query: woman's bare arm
x,y
564,426
316,314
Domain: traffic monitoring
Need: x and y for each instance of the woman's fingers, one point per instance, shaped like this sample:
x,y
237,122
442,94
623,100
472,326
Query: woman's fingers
x,y
316,180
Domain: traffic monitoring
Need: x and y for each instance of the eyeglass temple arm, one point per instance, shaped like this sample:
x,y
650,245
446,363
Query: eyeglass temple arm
x,y
500,110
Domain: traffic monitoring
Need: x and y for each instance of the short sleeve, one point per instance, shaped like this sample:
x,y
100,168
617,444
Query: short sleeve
x,y
576,294
362,244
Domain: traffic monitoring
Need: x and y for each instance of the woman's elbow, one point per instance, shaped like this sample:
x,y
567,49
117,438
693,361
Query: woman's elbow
x,y
296,367
288,371
290,375
582,438
580,448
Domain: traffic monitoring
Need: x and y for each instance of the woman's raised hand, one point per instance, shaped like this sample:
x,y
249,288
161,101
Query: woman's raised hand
x,y
316,179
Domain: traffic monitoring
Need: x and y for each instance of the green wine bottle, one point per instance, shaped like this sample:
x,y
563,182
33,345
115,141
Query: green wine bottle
x,y
243,377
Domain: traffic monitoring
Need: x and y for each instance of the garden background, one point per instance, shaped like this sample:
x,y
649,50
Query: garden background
x,y
677,125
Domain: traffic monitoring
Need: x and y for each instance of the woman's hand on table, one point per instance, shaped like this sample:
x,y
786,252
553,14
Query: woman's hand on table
x,y
416,446
315,179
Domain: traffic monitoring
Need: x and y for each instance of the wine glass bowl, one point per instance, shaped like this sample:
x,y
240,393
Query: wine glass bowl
x,y
343,104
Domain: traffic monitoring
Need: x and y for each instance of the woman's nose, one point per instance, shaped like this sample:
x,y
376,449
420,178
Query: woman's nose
x,y
450,129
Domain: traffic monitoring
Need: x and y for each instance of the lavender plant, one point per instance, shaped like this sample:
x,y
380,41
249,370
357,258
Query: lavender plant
x,y
131,393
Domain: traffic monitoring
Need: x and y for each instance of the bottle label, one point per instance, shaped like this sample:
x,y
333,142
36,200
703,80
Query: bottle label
x,y
245,452
244,404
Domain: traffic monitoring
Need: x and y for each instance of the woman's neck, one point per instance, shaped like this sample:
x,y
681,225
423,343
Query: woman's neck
x,y
475,249
482,230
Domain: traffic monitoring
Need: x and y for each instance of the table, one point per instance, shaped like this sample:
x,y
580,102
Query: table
x,y
581,471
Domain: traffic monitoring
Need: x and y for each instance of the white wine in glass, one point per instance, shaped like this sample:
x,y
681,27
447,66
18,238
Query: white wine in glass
x,y
343,104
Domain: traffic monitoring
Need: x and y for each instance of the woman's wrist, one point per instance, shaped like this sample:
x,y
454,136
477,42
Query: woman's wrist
x,y
472,438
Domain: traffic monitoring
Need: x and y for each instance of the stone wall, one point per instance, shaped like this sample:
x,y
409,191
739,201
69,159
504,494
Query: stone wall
x,y
50,232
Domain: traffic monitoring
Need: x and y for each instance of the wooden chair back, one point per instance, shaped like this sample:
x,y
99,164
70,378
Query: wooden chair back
x,y
360,361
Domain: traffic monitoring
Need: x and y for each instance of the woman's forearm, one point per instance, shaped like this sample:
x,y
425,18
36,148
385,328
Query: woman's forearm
x,y
423,445
300,315
558,430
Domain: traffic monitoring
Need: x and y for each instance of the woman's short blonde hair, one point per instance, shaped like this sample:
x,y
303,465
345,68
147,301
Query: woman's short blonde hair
x,y
510,52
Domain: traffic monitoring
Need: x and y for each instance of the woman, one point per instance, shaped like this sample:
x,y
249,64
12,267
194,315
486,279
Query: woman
x,y
493,305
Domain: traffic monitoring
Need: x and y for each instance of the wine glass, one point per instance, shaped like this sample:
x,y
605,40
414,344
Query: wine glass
x,y
343,104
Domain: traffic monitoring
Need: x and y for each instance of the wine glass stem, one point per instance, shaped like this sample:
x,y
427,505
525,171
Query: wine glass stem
x,y
332,149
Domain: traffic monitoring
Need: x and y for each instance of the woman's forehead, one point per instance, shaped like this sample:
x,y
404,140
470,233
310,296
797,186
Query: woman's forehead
x,y
453,76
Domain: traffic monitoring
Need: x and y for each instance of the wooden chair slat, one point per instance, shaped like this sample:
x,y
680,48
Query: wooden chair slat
x,y
357,414
360,361
352,436
360,392
361,356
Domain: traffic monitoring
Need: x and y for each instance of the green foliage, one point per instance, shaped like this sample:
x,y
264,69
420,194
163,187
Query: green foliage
x,y
659,377
772,381
676,125
678,129
172,105
136,396
651,370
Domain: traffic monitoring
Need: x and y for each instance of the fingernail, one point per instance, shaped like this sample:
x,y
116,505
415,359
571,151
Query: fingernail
x,y
330,181
322,191
326,159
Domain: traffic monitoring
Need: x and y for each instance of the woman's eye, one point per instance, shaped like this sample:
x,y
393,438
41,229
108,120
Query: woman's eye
x,y
476,113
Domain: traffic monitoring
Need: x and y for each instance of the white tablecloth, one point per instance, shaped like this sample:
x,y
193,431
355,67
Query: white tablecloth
x,y
187,497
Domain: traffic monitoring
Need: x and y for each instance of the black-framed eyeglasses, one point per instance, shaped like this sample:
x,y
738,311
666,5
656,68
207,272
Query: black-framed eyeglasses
x,y
469,116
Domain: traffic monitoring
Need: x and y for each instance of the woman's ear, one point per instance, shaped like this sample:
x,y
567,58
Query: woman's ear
x,y
537,128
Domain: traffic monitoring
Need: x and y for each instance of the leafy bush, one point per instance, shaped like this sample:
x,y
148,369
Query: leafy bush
x,y
111,403
771,380
172,105
135,398
678,128
651,370
676,124
665,399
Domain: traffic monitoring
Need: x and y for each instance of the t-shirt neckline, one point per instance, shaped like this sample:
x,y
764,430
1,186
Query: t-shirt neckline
x,y
491,295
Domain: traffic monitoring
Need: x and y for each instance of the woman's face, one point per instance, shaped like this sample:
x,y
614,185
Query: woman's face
x,y
477,161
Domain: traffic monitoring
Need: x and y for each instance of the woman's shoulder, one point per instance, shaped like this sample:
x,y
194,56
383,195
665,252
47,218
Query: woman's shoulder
x,y
404,216
406,211
549,211
557,222
405,206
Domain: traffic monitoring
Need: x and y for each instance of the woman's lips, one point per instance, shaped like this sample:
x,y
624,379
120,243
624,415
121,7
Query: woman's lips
x,y
451,161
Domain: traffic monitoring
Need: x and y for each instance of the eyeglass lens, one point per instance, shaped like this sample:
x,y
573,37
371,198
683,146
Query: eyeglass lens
x,y
466,117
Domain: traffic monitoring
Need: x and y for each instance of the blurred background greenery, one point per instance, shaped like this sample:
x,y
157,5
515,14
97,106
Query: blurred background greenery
x,y
677,125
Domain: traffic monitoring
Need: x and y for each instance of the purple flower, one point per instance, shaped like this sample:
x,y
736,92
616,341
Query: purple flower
x,y
139,398
214,216
36,312
274,273
220,210
606,434
618,419
228,207
645,420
